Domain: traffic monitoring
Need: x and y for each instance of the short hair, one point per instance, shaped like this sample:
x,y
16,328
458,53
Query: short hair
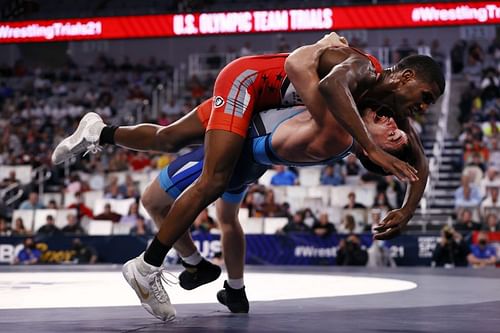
x,y
425,68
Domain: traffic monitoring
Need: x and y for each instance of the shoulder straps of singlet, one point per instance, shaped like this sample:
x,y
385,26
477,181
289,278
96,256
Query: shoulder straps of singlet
x,y
373,60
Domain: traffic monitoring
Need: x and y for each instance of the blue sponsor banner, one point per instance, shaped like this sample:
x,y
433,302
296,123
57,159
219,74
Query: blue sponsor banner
x,y
291,249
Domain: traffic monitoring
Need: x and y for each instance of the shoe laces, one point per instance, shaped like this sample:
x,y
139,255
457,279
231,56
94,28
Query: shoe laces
x,y
93,148
157,286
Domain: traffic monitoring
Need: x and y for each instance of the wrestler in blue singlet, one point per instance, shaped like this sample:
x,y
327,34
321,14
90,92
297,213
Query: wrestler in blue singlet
x,y
256,158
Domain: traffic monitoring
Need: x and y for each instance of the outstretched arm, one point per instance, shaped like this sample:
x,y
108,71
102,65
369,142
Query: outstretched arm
x,y
356,74
397,219
344,71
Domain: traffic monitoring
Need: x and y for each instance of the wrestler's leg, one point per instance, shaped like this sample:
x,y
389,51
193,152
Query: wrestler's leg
x,y
233,249
151,137
222,150
232,238
157,203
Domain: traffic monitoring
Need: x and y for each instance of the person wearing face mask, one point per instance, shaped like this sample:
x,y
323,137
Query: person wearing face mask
x,y
451,250
29,255
482,254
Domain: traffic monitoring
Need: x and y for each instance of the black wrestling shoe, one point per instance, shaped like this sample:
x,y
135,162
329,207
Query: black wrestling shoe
x,y
197,275
235,299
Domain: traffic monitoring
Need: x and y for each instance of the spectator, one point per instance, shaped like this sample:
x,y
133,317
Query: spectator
x,y
404,50
348,224
75,184
19,229
465,222
379,255
376,217
203,222
172,108
491,202
141,228
132,216
4,228
81,208
352,167
108,214
73,227
246,49
491,224
49,228
467,195
352,202
451,250
296,224
323,227
331,175
491,180
52,204
351,253
391,185
382,202
283,177
482,254
33,202
29,255
269,208
10,180
83,254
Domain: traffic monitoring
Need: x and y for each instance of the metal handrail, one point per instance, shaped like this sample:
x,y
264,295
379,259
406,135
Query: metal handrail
x,y
12,187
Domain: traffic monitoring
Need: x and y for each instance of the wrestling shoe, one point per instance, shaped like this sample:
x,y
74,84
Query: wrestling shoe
x,y
85,138
196,275
235,299
146,279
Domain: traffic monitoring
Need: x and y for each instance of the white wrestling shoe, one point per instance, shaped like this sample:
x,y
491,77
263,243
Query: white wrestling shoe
x,y
146,279
85,138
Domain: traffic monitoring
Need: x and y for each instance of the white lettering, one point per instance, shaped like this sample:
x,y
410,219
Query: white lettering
x,y
306,19
225,23
49,32
276,20
314,252
459,13
185,25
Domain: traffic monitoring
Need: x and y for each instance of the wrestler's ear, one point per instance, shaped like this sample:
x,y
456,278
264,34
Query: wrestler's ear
x,y
407,75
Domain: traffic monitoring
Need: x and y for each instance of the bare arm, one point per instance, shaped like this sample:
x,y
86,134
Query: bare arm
x,y
397,219
301,67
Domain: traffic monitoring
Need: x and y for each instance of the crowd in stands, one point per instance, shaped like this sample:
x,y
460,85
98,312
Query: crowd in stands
x,y
39,107
476,200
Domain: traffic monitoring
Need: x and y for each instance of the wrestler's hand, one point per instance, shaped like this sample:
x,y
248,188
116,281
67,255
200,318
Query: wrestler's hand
x,y
332,40
392,225
402,170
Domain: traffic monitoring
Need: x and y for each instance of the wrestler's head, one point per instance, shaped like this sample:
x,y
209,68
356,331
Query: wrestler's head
x,y
385,133
419,81
382,127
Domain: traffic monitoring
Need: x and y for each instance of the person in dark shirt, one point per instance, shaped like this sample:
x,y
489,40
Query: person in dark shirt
x,y
73,227
323,227
351,253
108,214
352,202
84,254
296,224
49,228
451,250
465,223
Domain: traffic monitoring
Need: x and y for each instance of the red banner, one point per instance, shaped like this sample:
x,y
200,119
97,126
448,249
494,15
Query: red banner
x,y
289,20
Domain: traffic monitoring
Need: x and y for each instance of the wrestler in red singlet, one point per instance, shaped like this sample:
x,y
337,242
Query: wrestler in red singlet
x,y
247,85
